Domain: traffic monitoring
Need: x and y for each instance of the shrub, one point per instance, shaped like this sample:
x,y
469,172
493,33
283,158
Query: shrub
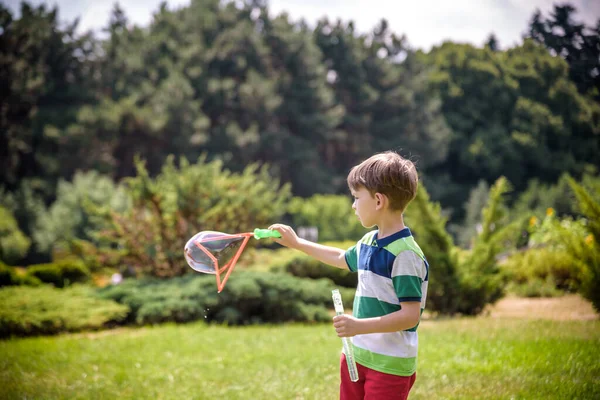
x,y
72,217
13,243
543,265
536,287
428,225
579,238
249,297
587,249
304,266
331,214
45,310
60,273
10,277
182,200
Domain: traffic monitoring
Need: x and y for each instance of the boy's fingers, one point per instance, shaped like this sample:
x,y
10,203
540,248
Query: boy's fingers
x,y
276,227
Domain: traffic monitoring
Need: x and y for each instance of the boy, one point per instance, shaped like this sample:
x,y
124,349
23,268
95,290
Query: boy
x,y
392,280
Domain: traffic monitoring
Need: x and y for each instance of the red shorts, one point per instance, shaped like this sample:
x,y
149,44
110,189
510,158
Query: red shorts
x,y
373,385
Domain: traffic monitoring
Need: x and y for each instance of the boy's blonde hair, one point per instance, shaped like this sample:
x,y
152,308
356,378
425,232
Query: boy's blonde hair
x,y
387,173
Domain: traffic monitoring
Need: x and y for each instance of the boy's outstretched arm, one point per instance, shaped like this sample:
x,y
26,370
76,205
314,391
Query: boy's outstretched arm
x,y
326,254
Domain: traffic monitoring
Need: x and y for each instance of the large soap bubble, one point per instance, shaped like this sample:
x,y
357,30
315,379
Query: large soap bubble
x,y
216,253
208,250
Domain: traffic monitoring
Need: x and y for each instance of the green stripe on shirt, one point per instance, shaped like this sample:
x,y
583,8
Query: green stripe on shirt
x,y
370,307
408,286
386,364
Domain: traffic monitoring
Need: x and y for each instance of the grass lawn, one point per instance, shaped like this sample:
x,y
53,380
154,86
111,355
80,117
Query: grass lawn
x,y
464,358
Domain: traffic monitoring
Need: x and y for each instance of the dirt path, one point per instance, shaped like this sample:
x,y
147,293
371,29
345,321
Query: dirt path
x,y
565,308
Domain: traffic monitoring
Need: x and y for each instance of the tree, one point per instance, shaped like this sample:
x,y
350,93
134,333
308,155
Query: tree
x,y
426,220
577,44
308,112
384,90
43,82
492,43
513,113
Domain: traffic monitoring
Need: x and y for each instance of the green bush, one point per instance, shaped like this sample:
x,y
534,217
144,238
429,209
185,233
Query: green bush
x,y
331,214
304,266
71,216
535,287
46,310
587,251
579,238
427,223
546,265
249,297
10,277
13,243
186,198
60,273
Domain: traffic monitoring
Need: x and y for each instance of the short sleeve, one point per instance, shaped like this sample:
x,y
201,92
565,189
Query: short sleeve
x,y
408,274
352,258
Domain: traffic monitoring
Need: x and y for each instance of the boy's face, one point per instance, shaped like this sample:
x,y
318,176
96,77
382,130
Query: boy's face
x,y
364,206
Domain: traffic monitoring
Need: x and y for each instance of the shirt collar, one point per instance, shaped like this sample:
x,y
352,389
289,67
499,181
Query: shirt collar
x,y
392,238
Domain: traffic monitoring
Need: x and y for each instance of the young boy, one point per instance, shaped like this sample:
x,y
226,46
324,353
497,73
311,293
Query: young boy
x,y
392,280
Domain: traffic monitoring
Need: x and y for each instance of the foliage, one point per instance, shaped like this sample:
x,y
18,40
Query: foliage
x,y
60,273
576,238
44,80
576,43
536,287
249,297
26,204
473,208
71,216
464,281
537,124
304,266
384,91
332,215
13,243
545,264
481,280
230,80
10,277
45,310
427,223
588,249
181,201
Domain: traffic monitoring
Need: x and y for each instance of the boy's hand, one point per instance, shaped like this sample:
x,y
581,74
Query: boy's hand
x,y
346,325
288,236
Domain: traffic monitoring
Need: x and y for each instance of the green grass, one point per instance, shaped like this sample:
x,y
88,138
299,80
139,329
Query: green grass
x,y
480,358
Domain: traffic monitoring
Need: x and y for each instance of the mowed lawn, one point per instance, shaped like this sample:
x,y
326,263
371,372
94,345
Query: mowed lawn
x,y
494,357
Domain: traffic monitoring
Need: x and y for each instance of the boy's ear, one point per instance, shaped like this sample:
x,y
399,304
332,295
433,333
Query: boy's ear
x,y
380,201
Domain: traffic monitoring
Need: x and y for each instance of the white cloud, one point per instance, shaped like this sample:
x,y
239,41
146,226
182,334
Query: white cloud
x,y
430,22
425,22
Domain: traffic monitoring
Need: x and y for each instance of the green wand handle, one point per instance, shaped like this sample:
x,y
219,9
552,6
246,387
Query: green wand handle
x,y
266,233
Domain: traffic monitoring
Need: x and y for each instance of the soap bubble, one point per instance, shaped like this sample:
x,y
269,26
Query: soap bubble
x,y
207,250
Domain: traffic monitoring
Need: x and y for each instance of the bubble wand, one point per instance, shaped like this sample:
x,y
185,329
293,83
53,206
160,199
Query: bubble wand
x,y
339,310
207,249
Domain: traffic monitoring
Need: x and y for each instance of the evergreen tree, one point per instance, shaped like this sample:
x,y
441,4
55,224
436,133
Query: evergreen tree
x,y
577,44
43,82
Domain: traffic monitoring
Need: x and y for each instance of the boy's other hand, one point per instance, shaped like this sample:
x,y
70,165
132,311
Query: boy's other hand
x,y
288,236
346,325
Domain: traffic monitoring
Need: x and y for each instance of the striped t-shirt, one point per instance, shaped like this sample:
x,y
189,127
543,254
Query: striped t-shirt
x,y
390,271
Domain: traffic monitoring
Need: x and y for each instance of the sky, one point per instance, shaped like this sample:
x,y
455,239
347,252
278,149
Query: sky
x,y
425,23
